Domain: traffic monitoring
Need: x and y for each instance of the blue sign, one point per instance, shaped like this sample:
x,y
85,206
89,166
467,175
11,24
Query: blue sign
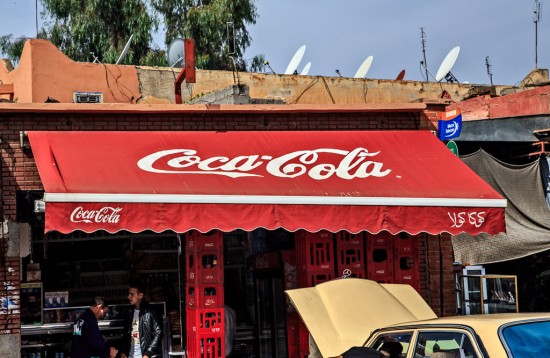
x,y
449,128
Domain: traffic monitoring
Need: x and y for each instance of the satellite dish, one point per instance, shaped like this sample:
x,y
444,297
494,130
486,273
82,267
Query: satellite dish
x,y
305,71
364,68
125,50
400,76
447,64
293,64
176,53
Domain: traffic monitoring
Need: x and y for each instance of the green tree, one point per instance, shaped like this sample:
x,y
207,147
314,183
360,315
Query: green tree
x,y
206,22
87,29
12,47
102,28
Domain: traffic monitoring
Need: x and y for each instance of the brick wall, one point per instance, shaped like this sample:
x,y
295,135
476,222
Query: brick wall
x,y
436,274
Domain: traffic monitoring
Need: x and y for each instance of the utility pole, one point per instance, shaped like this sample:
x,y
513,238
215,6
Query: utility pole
x,y
489,69
537,16
423,42
36,16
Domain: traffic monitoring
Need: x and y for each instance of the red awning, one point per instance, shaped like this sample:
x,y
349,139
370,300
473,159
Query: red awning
x,y
345,180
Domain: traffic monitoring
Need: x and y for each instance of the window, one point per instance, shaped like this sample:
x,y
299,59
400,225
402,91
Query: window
x,y
528,339
444,344
402,337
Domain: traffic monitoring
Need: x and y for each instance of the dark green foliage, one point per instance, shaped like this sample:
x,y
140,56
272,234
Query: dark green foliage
x,y
100,28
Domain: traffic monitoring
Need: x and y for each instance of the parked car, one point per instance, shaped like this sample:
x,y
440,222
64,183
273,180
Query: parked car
x,y
344,313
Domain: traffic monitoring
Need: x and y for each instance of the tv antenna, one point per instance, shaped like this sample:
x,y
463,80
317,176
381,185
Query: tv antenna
x,y
444,70
364,68
266,62
423,42
176,53
489,69
537,16
306,68
125,50
295,61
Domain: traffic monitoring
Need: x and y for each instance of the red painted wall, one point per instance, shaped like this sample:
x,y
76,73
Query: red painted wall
x,y
526,103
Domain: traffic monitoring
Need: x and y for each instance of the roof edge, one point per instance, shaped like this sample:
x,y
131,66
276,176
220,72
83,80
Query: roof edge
x,y
203,108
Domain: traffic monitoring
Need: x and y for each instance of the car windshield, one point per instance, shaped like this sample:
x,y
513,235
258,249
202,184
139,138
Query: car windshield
x,y
528,339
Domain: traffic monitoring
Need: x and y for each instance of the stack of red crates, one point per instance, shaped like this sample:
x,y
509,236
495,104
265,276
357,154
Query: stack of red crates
x,y
350,254
406,259
204,295
380,257
315,263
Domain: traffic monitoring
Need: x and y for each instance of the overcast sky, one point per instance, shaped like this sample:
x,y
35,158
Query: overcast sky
x,y
341,34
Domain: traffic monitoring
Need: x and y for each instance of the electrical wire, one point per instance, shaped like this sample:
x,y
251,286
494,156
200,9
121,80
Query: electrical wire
x,y
311,84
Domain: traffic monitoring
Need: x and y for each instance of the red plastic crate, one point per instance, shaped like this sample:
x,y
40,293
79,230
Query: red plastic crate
x,y
293,334
379,262
204,296
405,244
198,242
315,251
382,279
312,278
205,321
303,339
382,239
379,256
350,257
406,269
345,239
204,267
205,346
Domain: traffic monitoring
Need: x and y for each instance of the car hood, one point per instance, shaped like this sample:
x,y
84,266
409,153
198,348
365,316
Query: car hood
x,y
343,313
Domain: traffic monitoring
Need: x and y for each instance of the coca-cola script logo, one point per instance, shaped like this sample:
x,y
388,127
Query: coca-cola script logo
x,y
352,164
474,218
106,214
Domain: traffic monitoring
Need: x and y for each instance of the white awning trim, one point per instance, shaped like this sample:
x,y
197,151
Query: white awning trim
x,y
270,199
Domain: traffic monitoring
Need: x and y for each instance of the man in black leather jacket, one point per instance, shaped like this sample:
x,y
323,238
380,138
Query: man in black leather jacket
x,y
143,329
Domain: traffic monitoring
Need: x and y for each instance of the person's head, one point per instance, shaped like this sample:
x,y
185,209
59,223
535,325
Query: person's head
x,y
99,307
392,348
135,294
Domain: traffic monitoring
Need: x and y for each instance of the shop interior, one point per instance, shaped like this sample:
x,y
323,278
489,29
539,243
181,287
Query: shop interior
x,y
64,272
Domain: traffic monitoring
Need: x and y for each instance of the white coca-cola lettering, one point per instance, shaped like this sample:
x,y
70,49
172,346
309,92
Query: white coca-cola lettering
x,y
353,164
106,214
474,218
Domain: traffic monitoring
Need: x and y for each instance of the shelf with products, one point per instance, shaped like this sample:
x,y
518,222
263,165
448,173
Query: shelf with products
x,y
89,265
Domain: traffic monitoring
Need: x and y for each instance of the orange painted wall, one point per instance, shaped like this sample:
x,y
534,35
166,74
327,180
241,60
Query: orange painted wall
x,y
44,72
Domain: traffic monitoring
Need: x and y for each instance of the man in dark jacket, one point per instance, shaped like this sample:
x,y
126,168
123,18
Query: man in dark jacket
x,y
143,330
87,339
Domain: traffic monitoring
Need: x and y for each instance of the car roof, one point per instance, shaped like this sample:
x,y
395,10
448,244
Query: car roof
x,y
481,320
485,326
